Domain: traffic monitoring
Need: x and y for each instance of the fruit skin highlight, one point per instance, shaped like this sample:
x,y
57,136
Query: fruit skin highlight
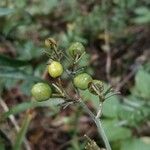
x,y
75,49
81,81
55,69
41,91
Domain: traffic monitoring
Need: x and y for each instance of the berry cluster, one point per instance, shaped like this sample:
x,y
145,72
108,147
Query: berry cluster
x,y
82,81
78,76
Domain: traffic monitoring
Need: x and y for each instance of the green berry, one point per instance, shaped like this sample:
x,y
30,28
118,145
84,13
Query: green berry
x,y
55,69
41,91
81,81
75,49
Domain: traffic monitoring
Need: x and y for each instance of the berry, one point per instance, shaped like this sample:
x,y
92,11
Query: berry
x,y
81,81
41,91
55,69
76,49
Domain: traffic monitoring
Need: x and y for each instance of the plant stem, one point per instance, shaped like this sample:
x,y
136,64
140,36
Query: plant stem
x,y
99,111
102,133
98,124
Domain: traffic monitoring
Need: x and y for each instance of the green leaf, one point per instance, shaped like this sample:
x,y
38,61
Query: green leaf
x,y
142,84
142,19
21,134
13,73
86,95
142,10
5,11
32,104
42,7
135,144
6,61
114,131
143,15
111,107
133,111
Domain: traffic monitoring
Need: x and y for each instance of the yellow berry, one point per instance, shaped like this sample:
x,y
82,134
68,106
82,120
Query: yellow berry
x,y
55,69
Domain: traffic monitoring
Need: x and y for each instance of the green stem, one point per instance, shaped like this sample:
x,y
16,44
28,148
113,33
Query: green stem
x,y
98,124
102,133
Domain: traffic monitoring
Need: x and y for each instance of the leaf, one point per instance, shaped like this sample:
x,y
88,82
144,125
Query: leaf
x,y
143,15
6,61
8,72
111,107
141,10
32,104
142,19
142,84
89,96
21,134
43,7
5,11
114,131
134,144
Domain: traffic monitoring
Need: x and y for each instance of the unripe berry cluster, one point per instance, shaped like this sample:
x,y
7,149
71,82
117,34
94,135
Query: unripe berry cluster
x,y
82,81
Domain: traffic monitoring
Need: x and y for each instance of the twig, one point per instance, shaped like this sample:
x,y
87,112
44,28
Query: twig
x,y
107,42
116,93
99,111
108,59
14,122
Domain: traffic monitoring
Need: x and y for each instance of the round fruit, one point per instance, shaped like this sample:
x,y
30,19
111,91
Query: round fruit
x,y
81,81
96,86
55,69
76,49
41,91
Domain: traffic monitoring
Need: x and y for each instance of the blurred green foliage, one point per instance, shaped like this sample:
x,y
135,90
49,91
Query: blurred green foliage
x,y
25,24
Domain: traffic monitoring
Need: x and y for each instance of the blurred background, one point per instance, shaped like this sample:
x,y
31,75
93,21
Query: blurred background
x,y
116,34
